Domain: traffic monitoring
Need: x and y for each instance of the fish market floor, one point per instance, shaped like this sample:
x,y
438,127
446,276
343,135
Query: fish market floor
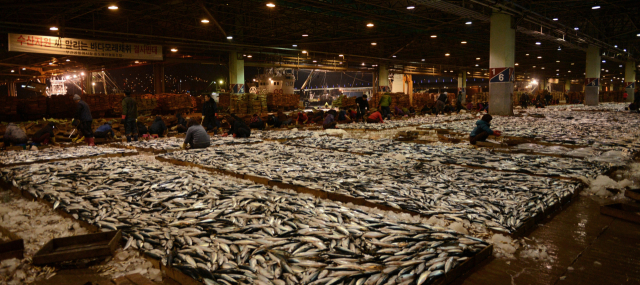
x,y
587,248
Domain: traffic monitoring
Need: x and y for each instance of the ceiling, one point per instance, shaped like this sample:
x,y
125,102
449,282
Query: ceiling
x,y
403,37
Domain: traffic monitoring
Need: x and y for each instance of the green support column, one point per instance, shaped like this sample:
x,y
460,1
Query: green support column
x,y
236,72
630,79
501,64
592,77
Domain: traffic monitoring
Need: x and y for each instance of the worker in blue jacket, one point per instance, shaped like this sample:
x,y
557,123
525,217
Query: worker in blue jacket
x,y
483,130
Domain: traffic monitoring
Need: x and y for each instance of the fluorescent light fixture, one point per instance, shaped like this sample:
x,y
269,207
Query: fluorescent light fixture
x,y
174,50
53,28
463,42
68,59
229,37
271,5
294,45
538,43
477,58
576,28
555,19
539,57
477,65
394,55
517,64
370,25
305,35
446,54
373,44
304,51
205,21
341,55
468,23
249,56
595,7
423,59
113,7
527,54
315,61
411,7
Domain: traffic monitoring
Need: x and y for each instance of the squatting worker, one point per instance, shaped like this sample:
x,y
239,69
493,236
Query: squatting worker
x,y
329,120
45,135
302,118
363,106
158,128
197,136
84,120
130,116
104,131
375,117
239,128
482,130
14,135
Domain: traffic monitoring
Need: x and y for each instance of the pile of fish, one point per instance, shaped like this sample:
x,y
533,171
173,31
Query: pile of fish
x,y
170,144
605,130
224,232
288,135
533,164
415,121
498,200
27,156
600,107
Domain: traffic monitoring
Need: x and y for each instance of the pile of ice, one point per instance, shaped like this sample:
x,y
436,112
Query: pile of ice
x,y
600,184
614,157
126,262
508,248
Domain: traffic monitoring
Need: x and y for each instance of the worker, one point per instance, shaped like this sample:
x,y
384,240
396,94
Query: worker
x,y
142,131
362,106
302,118
196,137
105,131
375,117
397,111
385,102
343,117
483,130
425,109
624,96
524,100
14,135
459,107
158,128
273,121
256,122
181,126
329,120
209,113
441,103
83,120
284,119
469,106
45,135
239,128
353,114
130,116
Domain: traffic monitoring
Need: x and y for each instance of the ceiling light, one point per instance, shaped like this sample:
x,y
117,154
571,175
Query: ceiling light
x,y
271,5
294,45
423,59
542,67
569,71
463,42
604,61
555,19
446,54
450,70
538,43
341,55
394,55
75,76
468,23
68,59
315,61
517,64
204,21
615,46
557,69
249,56
113,7
363,64
53,28
638,35
174,50
136,61
370,25
625,50
539,57
595,7
606,70
477,58
305,35
621,65
68,76
534,66
558,61
558,74
434,36
50,63
93,83
572,63
229,37
82,73
411,7
477,65
304,51
373,44
527,54
24,68
12,71
576,28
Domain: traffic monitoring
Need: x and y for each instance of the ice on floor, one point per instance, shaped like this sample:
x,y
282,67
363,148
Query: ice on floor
x,y
600,185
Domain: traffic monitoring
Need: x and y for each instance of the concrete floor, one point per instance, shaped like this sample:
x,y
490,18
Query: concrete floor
x,y
600,249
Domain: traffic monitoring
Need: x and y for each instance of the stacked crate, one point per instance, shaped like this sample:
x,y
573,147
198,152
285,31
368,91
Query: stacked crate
x,y
8,108
167,103
239,104
61,106
33,108
98,103
224,100
284,101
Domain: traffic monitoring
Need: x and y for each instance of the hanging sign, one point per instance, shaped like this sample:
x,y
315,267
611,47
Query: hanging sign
x,y
81,47
592,82
501,75
631,85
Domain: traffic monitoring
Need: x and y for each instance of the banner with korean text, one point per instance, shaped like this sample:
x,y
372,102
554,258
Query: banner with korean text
x,y
82,47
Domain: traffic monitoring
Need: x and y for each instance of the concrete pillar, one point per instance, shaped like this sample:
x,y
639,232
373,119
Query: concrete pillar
x,y
567,86
236,72
630,79
398,84
11,88
592,77
158,78
462,86
88,83
383,79
501,64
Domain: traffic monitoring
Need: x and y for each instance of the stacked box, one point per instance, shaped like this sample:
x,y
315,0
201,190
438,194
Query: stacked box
x,y
97,102
224,99
61,106
33,108
167,102
8,107
284,101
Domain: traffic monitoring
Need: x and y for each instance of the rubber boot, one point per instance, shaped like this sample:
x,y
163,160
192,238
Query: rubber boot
x,y
91,141
135,138
128,138
80,140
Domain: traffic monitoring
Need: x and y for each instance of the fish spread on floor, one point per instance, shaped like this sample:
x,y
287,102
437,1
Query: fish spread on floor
x,y
501,201
176,143
228,232
28,156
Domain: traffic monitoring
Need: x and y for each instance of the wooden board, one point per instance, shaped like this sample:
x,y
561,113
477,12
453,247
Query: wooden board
x,y
622,211
12,249
78,247
633,194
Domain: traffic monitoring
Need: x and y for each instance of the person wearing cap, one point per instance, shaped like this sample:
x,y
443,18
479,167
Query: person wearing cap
x,y
105,131
83,120
45,135
209,113
130,116
196,136
483,130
